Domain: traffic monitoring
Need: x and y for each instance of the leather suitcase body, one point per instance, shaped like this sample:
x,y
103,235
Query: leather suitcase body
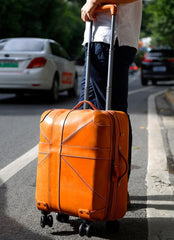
x,y
83,163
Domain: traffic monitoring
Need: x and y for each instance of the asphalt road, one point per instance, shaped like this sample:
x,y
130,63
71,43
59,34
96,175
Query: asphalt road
x,y
19,132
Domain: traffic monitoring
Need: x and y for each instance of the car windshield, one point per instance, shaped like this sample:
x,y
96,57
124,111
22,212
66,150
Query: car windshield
x,y
162,53
20,45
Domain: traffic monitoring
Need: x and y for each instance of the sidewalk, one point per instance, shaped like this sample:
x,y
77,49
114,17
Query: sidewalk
x,y
165,109
160,171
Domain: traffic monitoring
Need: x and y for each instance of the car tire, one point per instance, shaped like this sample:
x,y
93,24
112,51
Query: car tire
x,y
73,92
54,93
143,81
154,82
19,95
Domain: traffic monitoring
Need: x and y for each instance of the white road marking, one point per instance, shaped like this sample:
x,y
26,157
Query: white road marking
x,y
11,169
160,202
140,90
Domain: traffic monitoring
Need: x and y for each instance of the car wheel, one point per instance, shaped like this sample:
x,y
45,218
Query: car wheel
x,y
153,82
73,91
143,81
19,95
54,94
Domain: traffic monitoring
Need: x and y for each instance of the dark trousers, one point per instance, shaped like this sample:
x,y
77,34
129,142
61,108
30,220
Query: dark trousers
x,y
123,57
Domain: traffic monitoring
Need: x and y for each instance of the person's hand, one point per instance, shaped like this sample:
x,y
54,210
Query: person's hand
x,y
88,11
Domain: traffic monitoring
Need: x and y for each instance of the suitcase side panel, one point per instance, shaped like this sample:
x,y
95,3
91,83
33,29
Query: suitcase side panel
x,y
120,168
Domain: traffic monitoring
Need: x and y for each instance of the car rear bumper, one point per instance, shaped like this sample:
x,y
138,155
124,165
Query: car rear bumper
x,y
157,76
22,90
28,81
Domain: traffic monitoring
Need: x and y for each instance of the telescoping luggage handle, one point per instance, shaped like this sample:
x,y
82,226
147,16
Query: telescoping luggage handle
x,y
113,10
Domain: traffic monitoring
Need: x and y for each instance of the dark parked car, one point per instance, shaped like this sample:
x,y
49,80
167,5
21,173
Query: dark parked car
x,y
157,65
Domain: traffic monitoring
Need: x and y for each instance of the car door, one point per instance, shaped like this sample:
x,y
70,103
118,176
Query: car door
x,y
64,67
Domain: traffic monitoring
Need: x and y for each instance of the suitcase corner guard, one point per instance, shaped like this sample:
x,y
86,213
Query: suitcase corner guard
x,y
92,215
43,206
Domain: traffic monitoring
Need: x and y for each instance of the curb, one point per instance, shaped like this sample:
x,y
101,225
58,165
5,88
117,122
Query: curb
x,y
170,97
169,94
159,187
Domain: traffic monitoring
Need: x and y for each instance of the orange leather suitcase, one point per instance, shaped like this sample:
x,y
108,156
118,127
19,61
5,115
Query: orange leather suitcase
x,y
82,165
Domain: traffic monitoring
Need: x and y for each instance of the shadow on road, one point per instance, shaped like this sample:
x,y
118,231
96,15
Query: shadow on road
x,y
9,227
34,99
161,198
130,228
32,104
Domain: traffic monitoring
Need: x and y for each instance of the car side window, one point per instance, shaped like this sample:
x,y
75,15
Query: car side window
x,y
57,50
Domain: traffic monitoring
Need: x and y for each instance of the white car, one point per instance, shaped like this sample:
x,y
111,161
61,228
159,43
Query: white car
x,y
35,64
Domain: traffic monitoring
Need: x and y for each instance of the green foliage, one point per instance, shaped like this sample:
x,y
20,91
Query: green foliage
x,y
161,21
146,19
73,29
80,2
56,19
139,57
60,20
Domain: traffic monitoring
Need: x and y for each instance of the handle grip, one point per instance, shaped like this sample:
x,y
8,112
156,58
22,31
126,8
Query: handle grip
x,y
84,101
107,7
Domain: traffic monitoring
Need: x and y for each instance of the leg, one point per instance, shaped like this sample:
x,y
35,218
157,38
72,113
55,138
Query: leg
x,y
123,57
98,75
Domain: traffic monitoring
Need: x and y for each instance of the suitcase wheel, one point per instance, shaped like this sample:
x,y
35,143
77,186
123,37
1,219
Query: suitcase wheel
x,y
85,229
46,220
62,217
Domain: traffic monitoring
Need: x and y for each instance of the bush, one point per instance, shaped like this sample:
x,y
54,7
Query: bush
x,y
139,57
